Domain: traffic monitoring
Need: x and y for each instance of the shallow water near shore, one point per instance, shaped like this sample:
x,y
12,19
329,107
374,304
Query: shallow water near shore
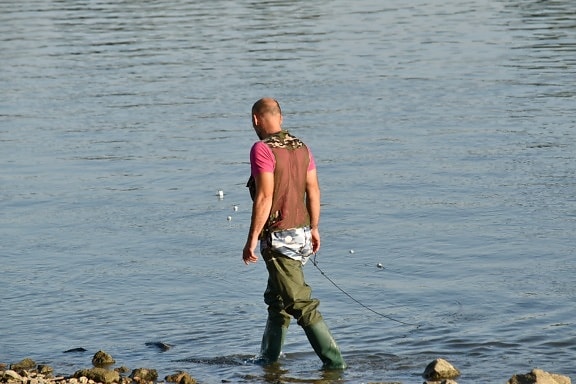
x,y
444,133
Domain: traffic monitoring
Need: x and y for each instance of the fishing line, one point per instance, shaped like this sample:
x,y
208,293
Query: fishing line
x,y
357,301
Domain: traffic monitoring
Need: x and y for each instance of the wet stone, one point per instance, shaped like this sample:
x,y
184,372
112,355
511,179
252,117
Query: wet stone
x,y
440,369
23,365
143,375
102,359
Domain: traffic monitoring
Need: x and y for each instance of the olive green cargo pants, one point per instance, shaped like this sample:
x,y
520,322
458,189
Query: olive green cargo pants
x,y
287,294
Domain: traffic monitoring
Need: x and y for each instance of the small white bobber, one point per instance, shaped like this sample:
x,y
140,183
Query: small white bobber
x,y
221,194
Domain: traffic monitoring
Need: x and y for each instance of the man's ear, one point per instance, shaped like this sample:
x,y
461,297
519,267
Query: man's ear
x,y
254,120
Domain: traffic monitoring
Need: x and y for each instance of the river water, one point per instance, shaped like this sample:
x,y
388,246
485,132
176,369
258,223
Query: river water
x,y
445,137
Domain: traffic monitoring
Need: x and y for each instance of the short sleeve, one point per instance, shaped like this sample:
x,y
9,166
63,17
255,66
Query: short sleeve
x,y
312,164
261,158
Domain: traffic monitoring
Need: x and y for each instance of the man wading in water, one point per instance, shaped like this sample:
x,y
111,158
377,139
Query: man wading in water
x,y
285,215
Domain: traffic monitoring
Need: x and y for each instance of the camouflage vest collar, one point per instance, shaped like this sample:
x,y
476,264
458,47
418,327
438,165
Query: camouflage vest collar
x,y
283,139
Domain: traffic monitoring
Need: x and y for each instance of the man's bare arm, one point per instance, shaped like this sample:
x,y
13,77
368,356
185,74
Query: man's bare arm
x,y
313,205
260,212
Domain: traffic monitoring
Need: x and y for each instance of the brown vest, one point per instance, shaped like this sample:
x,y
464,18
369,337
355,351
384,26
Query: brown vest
x,y
289,200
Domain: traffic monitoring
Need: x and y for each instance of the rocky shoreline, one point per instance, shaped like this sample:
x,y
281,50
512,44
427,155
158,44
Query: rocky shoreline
x,y
27,371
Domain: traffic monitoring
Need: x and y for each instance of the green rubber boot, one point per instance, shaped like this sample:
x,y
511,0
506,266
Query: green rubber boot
x,y
272,342
324,345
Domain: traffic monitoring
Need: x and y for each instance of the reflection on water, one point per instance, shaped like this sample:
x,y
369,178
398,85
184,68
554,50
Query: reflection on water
x,y
444,135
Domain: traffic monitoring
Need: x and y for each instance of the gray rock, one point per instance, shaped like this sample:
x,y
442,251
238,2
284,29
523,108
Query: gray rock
x,y
99,375
180,377
101,359
440,369
73,350
144,375
122,369
11,376
23,365
159,344
45,369
538,376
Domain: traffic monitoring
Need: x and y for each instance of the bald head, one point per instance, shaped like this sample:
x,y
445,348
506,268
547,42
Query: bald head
x,y
266,117
266,105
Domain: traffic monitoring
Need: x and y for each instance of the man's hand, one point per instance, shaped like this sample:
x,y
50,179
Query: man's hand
x,y
315,239
248,254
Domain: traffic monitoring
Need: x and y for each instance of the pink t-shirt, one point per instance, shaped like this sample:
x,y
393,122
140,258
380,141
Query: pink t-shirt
x,y
262,159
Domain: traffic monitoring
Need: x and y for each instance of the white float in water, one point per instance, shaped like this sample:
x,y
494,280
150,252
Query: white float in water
x,y
235,207
221,194
351,251
229,218
379,265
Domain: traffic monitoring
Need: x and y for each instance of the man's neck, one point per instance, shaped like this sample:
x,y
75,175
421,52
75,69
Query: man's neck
x,y
266,135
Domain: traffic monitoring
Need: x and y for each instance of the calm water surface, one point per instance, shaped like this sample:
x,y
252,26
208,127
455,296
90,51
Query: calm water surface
x,y
444,133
